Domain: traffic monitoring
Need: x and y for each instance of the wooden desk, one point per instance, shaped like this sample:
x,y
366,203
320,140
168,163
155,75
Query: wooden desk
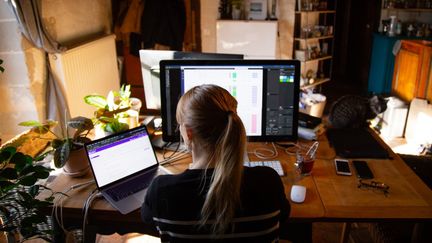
x,y
408,199
329,197
104,219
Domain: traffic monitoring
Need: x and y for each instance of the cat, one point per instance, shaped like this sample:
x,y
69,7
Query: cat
x,y
353,111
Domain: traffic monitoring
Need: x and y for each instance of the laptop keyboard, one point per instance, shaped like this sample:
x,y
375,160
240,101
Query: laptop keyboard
x,y
128,188
274,164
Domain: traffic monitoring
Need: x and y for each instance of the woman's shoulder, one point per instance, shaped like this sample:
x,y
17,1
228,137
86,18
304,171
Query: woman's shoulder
x,y
176,179
262,175
260,171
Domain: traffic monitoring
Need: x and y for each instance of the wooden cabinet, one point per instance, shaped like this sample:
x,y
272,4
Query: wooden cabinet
x,y
412,73
313,40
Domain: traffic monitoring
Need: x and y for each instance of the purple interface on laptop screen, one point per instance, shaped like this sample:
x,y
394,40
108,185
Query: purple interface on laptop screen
x,y
117,157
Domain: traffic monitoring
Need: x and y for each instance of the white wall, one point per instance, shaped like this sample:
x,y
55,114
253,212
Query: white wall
x,y
209,15
22,85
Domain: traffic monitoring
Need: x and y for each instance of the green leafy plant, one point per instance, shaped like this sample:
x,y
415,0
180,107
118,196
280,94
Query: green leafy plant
x,y
20,209
111,109
63,145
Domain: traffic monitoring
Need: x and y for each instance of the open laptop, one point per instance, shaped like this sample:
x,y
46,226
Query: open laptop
x,y
123,165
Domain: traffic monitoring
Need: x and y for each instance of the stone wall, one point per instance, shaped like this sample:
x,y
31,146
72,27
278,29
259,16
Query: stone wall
x,y
22,85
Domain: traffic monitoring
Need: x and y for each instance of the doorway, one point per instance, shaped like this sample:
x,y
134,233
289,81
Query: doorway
x,y
356,22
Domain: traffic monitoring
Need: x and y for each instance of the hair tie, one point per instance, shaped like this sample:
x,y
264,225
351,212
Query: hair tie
x,y
229,112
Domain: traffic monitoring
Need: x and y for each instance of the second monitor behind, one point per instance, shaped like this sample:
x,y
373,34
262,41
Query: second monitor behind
x,y
150,69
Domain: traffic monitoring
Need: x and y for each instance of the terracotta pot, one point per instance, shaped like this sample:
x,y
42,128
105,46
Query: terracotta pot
x,y
77,165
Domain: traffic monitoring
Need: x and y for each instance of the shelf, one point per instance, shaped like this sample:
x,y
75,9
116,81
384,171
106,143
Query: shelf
x,y
317,11
317,82
317,59
409,9
314,38
246,20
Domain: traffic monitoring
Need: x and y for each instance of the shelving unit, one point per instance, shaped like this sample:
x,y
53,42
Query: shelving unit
x,y
313,41
408,10
383,60
408,13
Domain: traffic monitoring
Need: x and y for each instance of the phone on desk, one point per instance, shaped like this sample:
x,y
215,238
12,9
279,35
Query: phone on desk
x,y
342,167
362,169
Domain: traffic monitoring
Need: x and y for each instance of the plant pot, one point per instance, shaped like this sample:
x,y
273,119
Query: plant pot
x,y
78,164
132,118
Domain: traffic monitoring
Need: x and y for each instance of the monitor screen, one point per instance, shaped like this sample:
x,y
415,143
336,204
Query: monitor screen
x,y
267,92
150,69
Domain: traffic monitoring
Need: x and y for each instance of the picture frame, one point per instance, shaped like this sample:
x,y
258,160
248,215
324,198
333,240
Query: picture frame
x,y
258,9
314,50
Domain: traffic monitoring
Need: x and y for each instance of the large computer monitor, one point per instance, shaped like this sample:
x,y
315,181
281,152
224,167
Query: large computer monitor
x,y
150,69
267,92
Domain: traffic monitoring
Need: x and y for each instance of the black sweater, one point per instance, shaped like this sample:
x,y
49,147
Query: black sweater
x,y
173,204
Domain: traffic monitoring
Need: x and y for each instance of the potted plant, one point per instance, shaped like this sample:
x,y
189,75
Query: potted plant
x,y
114,113
68,149
20,208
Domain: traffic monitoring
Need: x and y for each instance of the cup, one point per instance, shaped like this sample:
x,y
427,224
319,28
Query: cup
x,y
133,112
135,104
304,162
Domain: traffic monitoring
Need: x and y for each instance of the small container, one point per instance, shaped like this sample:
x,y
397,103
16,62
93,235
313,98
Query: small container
x,y
392,27
398,28
305,158
304,163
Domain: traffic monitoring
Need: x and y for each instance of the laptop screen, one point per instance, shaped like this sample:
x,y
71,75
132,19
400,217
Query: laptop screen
x,y
120,155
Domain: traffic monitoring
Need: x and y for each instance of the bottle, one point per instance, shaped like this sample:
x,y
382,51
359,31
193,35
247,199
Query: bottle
x,y
399,28
410,30
392,28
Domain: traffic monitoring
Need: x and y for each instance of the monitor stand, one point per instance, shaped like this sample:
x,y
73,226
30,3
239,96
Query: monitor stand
x,y
153,123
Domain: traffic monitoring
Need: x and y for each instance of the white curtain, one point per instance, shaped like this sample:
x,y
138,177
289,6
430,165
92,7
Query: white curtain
x,y
28,15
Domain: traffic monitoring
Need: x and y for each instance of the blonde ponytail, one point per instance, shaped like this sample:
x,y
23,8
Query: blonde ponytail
x,y
223,196
210,112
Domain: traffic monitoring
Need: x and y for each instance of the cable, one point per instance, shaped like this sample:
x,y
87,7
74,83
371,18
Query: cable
x,y
173,153
175,158
95,193
58,203
266,153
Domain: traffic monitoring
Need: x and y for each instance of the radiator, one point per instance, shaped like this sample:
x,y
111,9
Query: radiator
x,y
90,68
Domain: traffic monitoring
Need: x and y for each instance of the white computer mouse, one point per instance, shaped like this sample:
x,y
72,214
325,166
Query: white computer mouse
x,y
298,193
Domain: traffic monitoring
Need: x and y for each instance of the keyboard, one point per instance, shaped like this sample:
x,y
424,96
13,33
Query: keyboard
x,y
274,164
128,188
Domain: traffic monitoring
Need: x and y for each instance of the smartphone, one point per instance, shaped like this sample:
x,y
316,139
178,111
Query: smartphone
x,y
362,169
342,167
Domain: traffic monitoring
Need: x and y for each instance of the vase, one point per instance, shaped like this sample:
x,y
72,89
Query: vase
x,y
236,13
77,164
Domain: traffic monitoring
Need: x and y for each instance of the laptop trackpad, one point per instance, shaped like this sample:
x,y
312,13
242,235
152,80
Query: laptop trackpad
x,y
129,203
